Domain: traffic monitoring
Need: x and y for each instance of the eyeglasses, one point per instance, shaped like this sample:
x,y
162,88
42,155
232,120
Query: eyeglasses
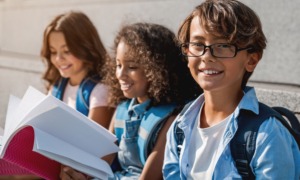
x,y
219,50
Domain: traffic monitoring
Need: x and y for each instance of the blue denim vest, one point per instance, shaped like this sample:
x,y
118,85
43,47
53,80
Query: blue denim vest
x,y
136,126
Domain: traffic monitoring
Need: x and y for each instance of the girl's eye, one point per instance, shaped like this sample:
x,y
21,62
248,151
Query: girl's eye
x,y
52,53
67,52
133,67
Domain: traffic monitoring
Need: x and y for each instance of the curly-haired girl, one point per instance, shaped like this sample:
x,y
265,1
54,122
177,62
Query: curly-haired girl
x,y
74,57
149,83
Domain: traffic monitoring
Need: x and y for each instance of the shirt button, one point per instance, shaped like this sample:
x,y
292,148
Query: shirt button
x,y
228,135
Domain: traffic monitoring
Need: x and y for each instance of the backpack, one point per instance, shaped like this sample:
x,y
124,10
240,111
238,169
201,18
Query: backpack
x,y
243,143
83,93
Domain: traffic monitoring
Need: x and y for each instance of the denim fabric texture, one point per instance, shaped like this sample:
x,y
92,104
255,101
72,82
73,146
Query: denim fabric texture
x,y
128,155
277,155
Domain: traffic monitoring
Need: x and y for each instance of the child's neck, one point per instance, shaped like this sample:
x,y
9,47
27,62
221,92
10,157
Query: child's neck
x,y
218,106
76,79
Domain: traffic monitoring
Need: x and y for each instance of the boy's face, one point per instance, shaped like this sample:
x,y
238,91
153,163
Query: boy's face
x,y
215,74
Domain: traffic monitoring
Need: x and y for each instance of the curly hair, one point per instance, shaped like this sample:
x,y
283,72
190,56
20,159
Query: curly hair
x,y
155,49
231,20
83,43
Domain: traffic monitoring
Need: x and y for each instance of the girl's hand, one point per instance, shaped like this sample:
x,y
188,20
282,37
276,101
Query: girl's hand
x,y
67,173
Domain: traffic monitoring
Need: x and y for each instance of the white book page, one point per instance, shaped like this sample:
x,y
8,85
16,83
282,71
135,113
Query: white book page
x,y
92,124
73,128
1,135
69,155
13,104
31,98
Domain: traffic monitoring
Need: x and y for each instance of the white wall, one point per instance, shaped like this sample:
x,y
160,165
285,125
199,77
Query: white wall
x,y
22,23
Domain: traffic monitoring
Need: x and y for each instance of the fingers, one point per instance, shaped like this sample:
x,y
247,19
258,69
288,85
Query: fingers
x,y
68,173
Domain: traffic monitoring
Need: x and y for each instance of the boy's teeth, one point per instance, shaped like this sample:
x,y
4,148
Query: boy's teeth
x,y
210,72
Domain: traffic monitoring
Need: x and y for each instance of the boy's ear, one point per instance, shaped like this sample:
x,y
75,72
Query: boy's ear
x,y
252,61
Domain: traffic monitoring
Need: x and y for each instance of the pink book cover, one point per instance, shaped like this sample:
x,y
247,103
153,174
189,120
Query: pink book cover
x,y
20,159
36,141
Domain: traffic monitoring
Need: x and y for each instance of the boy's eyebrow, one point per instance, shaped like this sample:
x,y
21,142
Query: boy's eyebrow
x,y
197,37
215,38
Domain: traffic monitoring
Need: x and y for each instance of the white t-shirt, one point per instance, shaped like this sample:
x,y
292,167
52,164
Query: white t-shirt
x,y
204,150
98,97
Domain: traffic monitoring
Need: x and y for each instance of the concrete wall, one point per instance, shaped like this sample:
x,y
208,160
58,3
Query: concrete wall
x,y
22,23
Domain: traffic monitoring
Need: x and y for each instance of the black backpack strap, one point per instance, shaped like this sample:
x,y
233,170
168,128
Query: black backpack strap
x,y
244,141
243,144
290,121
179,135
290,117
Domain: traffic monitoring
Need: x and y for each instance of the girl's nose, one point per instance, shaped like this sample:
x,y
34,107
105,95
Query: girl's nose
x,y
59,56
120,73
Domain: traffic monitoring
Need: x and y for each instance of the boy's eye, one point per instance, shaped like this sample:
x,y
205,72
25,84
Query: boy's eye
x,y
223,45
198,44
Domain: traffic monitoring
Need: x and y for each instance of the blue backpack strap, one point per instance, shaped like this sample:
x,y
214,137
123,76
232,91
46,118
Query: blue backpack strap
x,y
84,92
150,125
121,116
243,144
59,88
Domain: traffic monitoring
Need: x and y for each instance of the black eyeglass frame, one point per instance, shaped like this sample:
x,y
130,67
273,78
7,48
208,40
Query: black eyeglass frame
x,y
185,45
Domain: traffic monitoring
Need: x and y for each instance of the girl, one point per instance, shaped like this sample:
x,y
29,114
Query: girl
x,y
149,84
74,57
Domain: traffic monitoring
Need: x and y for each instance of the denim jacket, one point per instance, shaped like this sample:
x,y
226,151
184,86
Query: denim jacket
x,y
277,155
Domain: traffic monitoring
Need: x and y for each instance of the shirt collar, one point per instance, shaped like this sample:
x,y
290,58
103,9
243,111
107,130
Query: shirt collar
x,y
249,101
137,109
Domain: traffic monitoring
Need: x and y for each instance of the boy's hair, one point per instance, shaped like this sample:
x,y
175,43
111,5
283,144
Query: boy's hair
x,y
231,20
155,48
84,43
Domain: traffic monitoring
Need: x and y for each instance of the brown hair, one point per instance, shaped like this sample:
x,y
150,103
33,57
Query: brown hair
x,y
83,42
229,19
155,48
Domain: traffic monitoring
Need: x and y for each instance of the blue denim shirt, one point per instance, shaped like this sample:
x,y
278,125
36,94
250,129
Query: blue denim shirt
x,y
277,155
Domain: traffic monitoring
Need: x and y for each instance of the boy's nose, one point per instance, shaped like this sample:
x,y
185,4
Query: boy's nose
x,y
207,55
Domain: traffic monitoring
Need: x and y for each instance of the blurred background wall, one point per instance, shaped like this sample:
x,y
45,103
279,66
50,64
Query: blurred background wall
x,y
22,23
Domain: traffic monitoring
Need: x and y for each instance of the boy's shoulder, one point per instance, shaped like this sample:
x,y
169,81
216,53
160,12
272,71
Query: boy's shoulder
x,y
243,143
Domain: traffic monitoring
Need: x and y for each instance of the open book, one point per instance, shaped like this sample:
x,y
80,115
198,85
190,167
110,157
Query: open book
x,y
42,132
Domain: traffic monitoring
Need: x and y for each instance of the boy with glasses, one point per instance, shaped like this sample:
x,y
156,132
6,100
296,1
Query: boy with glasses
x,y
223,42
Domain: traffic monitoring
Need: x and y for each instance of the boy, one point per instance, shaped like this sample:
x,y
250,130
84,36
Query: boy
x,y
223,42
